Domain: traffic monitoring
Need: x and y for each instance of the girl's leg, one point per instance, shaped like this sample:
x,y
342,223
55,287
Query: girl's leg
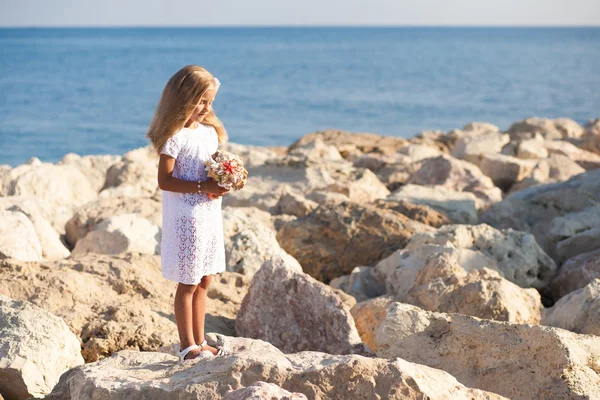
x,y
184,316
200,312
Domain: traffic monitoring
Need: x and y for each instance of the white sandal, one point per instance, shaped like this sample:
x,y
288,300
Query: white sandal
x,y
185,352
220,350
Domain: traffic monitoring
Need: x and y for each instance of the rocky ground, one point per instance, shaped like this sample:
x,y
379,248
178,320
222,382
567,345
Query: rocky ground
x,y
452,265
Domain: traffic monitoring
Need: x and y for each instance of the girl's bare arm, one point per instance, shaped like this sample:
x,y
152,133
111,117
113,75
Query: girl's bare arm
x,y
167,182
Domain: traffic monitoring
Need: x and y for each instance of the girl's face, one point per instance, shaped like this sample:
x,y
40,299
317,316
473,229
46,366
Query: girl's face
x,y
204,106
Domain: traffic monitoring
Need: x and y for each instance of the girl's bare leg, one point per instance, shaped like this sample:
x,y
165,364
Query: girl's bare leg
x,y
184,316
199,315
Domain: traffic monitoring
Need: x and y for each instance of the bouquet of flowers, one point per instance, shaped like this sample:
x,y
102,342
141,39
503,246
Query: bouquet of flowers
x,y
228,170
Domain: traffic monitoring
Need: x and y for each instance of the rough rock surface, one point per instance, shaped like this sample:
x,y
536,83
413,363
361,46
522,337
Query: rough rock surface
x,y
516,255
89,216
295,312
560,128
534,209
334,239
575,273
18,238
579,311
459,207
457,175
94,167
119,234
36,347
360,283
368,315
126,304
417,212
526,362
316,375
262,390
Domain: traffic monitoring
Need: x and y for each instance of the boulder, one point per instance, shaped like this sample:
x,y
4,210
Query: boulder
x,y
37,347
119,234
516,255
560,128
249,239
18,239
585,159
126,304
94,167
458,207
316,375
294,203
532,149
457,175
50,241
351,144
138,176
92,214
518,361
417,212
368,315
578,311
295,312
262,390
443,285
59,188
534,209
252,156
575,274
471,147
505,170
335,238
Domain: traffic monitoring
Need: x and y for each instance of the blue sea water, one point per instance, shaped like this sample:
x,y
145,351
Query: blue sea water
x,y
94,90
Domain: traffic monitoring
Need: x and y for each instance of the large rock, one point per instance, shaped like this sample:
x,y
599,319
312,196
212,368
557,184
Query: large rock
x,y
417,212
368,315
262,390
252,156
249,239
457,175
333,239
294,312
534,209
459,207
94,167
116,302
60,189
352,144
360,283
316,375
50,241
297,173
587,160
18,238
560,128
516,255
505,170
444,286
579,311
88,217
471,147
517,361
119,234
37,347
575,274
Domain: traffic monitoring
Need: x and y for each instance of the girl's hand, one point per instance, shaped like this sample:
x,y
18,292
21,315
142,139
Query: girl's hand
x,y
210,187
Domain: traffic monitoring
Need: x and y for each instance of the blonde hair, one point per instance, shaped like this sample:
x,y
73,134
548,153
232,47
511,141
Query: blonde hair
x,y
176,105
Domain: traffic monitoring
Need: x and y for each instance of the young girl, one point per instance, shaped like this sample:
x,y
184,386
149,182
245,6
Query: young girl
x,y
186,132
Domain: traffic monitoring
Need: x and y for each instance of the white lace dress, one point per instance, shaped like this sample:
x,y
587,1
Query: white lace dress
x,y
192,244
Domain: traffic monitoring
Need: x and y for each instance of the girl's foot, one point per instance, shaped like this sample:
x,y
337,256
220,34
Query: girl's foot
x,y
189,353
215,351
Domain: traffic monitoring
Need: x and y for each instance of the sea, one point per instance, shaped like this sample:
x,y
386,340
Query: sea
x,y
94,90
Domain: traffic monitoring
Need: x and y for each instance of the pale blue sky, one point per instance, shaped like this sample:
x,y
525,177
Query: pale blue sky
x,y
304,12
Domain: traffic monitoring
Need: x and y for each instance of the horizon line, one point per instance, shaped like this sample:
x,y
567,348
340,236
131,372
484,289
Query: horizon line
x,y
450,26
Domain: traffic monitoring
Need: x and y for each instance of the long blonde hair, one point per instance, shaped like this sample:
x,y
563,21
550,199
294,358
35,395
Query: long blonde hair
x,y
176,105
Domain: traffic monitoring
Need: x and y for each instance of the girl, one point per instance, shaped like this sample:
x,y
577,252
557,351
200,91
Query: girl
x,y
186,132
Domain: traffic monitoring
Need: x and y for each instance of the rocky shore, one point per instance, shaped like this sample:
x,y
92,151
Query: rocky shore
x,y
452,265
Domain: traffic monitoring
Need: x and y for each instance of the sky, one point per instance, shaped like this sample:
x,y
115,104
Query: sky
x,y
41,13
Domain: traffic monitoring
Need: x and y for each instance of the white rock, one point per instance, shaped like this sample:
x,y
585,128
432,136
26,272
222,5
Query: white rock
x,y
579,311
37,347
18,238
460,207
121,233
